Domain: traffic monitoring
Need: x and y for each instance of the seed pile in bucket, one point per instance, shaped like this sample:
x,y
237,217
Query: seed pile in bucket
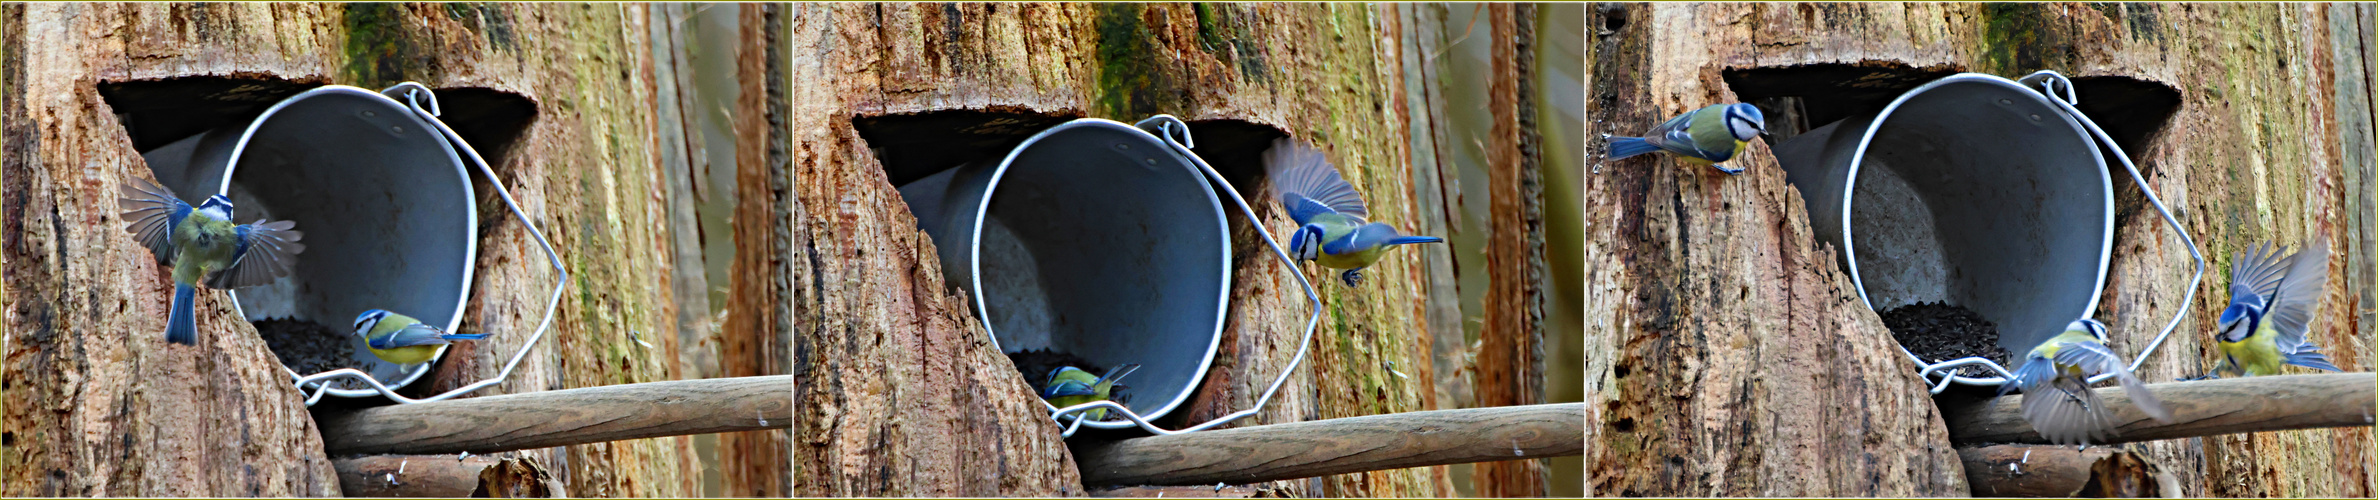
x,y
308,348
1037,364
1940,332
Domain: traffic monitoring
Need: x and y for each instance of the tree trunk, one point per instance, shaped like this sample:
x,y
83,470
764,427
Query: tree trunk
x,y
97,403
1741,361
96,410
1511,347
2272,142
899,393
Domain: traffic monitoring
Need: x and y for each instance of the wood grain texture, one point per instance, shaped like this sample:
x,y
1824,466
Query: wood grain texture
x,y
1737,347
2041,471
1511,344
565,417
448,476
899,393
521,477
2199,409
2262,148
1339,446
93,401
757,464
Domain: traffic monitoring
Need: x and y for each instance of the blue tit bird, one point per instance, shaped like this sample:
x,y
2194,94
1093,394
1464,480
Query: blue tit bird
x,y
203,246
2055,383
1070,386
2271,299
1706,136
401,339
1332,230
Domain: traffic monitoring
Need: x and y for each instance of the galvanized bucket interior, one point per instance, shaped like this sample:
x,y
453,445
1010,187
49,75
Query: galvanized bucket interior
x,y
1970,190
1095,239
384,201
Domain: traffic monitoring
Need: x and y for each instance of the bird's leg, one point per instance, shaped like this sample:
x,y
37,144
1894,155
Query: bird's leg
x,y
1353,277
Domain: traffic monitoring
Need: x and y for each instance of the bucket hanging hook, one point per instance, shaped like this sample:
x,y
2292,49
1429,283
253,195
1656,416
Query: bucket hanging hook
x,y
1175,134
2060,91
414,94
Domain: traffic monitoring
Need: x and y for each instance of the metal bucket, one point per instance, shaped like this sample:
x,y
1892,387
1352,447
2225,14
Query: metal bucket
x,y
1093,238
1971,190
385,202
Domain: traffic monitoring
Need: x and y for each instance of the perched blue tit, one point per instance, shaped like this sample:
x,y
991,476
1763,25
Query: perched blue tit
x,y
401,339
1333,231
203,246
1706,136
2271,299
1070,386
2055,382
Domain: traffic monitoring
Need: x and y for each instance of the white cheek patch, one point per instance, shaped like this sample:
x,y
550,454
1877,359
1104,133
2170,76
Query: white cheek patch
x,y
1742,129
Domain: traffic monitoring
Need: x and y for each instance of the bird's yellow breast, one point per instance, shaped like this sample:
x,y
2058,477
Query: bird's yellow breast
x,y
406,355
2258,354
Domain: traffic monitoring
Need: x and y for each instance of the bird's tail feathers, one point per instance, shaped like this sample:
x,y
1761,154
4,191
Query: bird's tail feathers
x,y
1407,240
181,325
463,336
1116,374
1627,147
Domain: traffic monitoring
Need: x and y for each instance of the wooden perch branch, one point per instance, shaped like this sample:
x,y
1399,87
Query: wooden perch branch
x,y
559,418
1339,446
2201,408
2048,471
448,476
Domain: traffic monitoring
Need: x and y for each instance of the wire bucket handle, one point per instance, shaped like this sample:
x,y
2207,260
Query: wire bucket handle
x,y
2059,90
414,95
1175,134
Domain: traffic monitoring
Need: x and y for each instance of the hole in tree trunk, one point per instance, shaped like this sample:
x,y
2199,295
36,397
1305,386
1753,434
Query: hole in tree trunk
x,y
355,173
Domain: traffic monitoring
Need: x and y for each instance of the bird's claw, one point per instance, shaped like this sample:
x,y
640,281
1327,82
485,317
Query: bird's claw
x,y
1353,277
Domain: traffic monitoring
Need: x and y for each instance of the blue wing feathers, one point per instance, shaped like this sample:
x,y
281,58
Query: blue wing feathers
x,y
1300,174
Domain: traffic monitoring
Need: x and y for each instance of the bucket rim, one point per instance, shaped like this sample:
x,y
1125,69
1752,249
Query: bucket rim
x,y
462,174
1221,227
1858,159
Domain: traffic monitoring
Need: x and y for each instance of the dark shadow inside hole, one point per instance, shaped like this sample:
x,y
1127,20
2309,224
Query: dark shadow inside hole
x,y
2131,110
185,127
158,112
912,146
1235,148
489,119
1798,98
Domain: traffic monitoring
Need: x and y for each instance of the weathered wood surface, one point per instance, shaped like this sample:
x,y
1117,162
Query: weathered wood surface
x,y
1511,345
1341,445
2026,471
521,477
754,342
96,402
1738,349
2270,142
82,381
899,394
565,417
2199,409
449,476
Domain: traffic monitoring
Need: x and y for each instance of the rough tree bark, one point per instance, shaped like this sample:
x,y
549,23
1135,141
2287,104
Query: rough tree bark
x,y
1738,351
89,397
898,393
96,402
2270,141
1511,346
